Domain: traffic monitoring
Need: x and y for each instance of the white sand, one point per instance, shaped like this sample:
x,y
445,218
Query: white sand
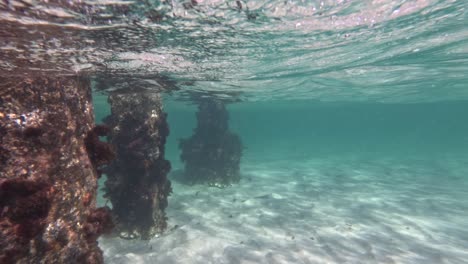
x,y
316,211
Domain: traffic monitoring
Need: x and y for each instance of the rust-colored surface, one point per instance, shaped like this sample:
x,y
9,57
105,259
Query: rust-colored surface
x,y
137,183
47,181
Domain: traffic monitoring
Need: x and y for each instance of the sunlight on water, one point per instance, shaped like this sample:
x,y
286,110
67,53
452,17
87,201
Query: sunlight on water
x,y
274,131
388,51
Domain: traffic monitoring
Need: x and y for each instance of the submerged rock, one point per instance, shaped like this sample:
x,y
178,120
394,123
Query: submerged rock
x,y
137,183
47,181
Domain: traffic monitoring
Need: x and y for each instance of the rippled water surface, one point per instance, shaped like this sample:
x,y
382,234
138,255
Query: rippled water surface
x,y
342,50
369,166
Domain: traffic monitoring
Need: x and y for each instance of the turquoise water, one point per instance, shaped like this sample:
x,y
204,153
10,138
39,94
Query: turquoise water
x,y
321,182
310,129
352,115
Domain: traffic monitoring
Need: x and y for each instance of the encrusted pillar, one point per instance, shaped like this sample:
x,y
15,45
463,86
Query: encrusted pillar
x,y
49,153
136,184
212,155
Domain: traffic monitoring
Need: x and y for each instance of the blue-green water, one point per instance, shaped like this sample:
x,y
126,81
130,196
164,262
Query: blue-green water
x,y
322,182
352,114
308,129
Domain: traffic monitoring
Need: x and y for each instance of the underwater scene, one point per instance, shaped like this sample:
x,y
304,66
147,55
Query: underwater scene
x,y
233,132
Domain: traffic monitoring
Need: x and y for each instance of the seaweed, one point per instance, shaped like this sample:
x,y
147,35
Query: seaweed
x,y
47,182
100,153
4,157
212,154
32,132
101,130
25,203
98,222
137,183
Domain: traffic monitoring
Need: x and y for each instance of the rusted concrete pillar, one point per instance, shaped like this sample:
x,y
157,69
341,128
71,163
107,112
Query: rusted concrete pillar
x,y
48,175
137,183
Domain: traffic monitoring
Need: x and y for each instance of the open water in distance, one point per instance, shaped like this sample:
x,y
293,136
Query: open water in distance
x,y
352,114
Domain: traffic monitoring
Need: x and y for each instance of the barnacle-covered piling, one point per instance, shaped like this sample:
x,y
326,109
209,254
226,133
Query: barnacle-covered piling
x,y
136,184
212,154
48,182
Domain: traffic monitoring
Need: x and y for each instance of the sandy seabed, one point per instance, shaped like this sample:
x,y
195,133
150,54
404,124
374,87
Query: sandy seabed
x,y
316,211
